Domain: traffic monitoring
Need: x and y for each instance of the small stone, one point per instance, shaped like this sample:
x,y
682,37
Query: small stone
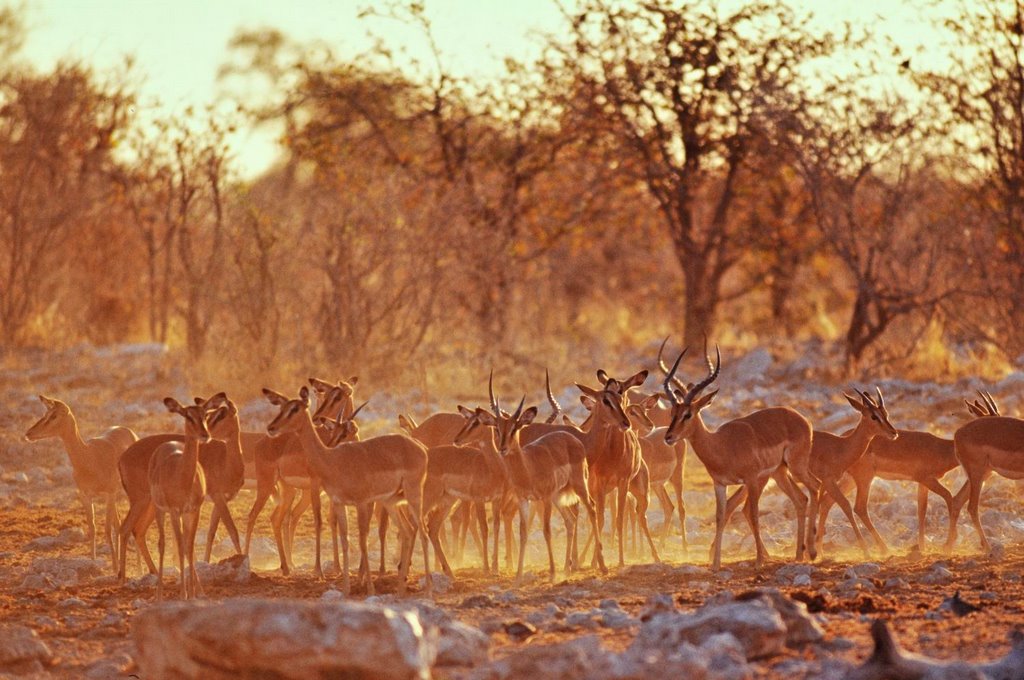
x,y
864,570
802,580
580,620
332,595
895,583
609,604
476,601
71,603
938,575
520,630
21,650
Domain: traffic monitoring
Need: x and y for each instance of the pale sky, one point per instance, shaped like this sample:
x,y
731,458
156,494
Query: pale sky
x,y
178,45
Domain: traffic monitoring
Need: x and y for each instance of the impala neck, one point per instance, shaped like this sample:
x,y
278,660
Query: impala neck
x,y
71,437
191,462
856,443
310,440
700,438
600,431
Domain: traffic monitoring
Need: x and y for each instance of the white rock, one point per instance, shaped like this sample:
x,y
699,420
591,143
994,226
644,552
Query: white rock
x,y
755,623
281,638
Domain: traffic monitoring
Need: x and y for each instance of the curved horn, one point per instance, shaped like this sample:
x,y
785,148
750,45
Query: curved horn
x,y
551,397
519,409
669,375
713,372
664,369
490,393
881,401
354,413
987,396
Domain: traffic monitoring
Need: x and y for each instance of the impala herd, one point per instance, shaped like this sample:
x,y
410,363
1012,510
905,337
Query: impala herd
x,y
454,464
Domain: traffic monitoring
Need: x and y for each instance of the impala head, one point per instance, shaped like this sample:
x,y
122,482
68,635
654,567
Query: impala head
x,y
506,425
984,407
607,403
874,413
195,416
686,405
334,399
471,426
621,386
289,418
340,429
57,413
223,419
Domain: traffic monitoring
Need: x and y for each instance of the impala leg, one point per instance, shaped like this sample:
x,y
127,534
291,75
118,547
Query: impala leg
x,y
496,508
832,489
111,529
569,520
277,519
229,524
90,521
785,482
546,518
314,497
139,517
922,512
676,480
667,510
620,518
341,519
263,491
382,518
192,527
211,532
524,509
977,481
363,514
750,508
642,503
716,545
416,509
435,520
480,512
161,545
293,512
179,542
861,508
331,512
574,519
958,503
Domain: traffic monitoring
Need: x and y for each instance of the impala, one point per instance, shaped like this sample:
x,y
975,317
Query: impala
x,y
280,468
983,446
177,487
832,455
93,465
551,470
386,469
748,451
915,456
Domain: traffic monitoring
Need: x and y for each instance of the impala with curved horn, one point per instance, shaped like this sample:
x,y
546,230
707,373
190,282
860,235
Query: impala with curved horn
x,y
764,444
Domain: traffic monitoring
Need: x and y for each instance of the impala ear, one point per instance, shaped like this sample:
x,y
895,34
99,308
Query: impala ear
x,y
275,398
304,395
47,402
527,416
353,380
587,401
465,412
319,385
603,376
173,405
650,402
406,423
855,403
486,417
704,401
589,391
635,380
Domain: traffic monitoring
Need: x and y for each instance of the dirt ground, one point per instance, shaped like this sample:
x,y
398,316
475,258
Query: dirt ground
x,y
86,619
89,622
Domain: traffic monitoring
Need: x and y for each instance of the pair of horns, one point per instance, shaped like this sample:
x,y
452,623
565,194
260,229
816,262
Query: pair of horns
x,y
495,408
713,370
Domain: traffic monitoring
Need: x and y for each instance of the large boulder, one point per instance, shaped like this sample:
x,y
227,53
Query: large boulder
x,y
21,651
282,639
755,623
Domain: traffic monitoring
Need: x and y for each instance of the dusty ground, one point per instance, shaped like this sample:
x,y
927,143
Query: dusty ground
x,y
86,619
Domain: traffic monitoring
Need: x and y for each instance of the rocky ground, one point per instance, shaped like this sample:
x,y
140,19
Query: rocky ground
x,y
63,615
